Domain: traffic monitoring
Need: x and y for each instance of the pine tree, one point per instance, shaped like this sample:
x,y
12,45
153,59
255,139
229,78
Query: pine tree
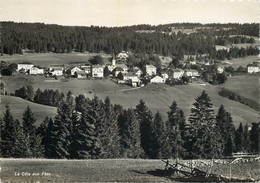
x,y
30,133
7,136
204,135
112,140
160,133
131,135
145,118
255,137
175,141
239,138
247,142
224,123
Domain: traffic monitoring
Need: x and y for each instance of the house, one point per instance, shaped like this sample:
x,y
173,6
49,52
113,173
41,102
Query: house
x,y
253,67
165,76
36,70
86,68
130,76
26,67
220,69
74,69
177,73
150,70
97,71
157,79
120,68
80,74
135,82
137,71
58,71
123,55
191,73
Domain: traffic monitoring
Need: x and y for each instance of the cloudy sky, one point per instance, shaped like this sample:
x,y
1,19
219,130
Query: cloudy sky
x,y
128,12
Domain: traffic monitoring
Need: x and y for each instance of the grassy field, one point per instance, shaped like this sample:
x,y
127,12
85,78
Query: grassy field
x,y
46,59
157,96
110,170
236,62
18,106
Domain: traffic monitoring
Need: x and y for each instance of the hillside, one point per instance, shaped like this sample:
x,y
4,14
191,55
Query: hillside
x,y
18,106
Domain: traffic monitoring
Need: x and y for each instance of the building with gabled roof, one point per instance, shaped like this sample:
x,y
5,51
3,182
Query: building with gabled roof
x,y
150,70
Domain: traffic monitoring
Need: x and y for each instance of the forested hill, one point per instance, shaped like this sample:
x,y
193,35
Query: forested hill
x,y
170,39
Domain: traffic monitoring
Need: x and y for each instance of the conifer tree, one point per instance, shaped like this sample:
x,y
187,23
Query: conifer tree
x,y
131,145
112,140
175,141
204,135
239,138
255,137
7,136
30,133
160,133
227,129
247,142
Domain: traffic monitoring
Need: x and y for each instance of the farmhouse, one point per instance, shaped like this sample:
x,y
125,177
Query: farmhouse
x,y
157,79
58,71
130,76
177,73
165,76
191,73
150,70
26,67
135,82
123,55
75,69
137,71
36,70
120,68
253,68
81,74
86,68
220,69
97,71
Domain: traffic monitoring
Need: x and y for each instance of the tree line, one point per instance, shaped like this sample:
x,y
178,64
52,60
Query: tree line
x,y
92,128
38,37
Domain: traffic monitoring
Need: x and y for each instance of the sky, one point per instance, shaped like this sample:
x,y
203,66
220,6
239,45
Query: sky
x,y
129,12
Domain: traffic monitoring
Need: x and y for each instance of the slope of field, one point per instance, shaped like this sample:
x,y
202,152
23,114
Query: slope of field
x,y
109,170
236,62
19,105
157,96
46,59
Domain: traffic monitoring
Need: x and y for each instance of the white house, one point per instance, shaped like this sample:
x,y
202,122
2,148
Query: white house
x,y
97,71
86,68
120,68
253,68
57,71
165,76
52,67
137,71
220,69
75,69
150,70
177,73
130,76
36,70
123,55
26,67
135,82
157,79
80,74
191,72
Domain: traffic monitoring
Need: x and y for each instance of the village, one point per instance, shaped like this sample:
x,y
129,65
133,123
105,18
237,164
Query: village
x,y
121,74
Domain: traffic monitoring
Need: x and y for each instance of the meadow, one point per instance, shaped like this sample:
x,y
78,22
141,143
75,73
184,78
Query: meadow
x,y
156,96
106,170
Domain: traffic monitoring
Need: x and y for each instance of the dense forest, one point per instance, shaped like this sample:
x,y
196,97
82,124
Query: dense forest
x,y
92,129
39,37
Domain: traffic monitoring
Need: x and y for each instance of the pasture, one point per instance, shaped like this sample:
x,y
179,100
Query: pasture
x,y
47,59
107,170
156,96
19,105
236,62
